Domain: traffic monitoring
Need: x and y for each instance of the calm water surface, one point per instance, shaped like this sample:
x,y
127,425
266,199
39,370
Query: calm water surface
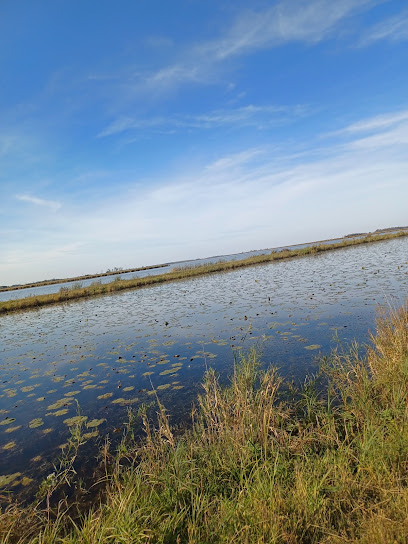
x,y
47,289
108,353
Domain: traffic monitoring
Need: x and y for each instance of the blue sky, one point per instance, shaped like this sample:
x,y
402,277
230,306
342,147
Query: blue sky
x,y
140,132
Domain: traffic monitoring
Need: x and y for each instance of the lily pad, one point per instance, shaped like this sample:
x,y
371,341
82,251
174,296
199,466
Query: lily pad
x,y
170,371
105,396
71,393
60,403
36,459
7,421
58,412
76,420
12,429
34,423
94,423
9,445
27,388
6,479
313,346
93,434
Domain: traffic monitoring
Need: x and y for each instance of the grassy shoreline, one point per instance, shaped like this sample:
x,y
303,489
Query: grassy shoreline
x,y
259,464
96,289
79,278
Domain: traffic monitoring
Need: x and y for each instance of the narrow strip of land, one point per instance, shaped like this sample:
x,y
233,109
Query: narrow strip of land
x,y
65,294
80,278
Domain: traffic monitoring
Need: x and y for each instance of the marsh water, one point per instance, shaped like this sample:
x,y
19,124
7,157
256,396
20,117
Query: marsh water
x,y
103,355
154,271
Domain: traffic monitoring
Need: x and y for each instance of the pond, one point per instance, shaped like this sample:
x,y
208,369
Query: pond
x,y
160,269
113,352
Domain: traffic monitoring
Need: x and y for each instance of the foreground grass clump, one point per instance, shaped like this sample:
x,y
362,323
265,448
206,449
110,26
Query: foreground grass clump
x,y
262,463
97,288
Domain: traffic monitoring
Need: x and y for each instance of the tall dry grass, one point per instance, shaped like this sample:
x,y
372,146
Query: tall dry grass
x,y
261,463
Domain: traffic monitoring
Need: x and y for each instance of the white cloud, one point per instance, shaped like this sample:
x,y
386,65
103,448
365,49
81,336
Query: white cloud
x,y
250,115
287,21
205,62
394,29
52,204
377,122
240,201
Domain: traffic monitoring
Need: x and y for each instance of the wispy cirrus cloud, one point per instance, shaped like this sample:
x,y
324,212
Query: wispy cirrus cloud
x,y
206,62
393,29
244,200
260,116
380,130
286,21
52,204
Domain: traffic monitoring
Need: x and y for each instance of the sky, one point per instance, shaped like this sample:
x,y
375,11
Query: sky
x,y
141,132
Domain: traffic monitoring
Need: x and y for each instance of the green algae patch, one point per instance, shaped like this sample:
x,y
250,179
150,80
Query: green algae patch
x,y
94,423
164,386
27,388
72,393
36,459
37,422
9,445
76,420
7,421
93,434
12,429
105,396
7,479
60,403
170,371
58,412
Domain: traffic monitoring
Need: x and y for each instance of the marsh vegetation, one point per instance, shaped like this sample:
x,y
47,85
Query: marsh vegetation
x,y
261,461
97,288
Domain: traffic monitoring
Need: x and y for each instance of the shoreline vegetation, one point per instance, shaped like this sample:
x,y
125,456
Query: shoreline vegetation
x,y
261,462
66,294
114,272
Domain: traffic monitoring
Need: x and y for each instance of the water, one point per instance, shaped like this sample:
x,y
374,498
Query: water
x,y
109,353
48,289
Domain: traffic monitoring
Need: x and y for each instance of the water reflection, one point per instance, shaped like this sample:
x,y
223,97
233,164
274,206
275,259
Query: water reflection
x,y
108,353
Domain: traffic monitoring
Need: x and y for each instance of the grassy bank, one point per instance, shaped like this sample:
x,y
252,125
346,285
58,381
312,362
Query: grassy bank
x,y
79,278
98,288
261,463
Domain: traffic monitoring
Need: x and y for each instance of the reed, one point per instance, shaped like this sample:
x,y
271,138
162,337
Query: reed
x,y
97,288
260,463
